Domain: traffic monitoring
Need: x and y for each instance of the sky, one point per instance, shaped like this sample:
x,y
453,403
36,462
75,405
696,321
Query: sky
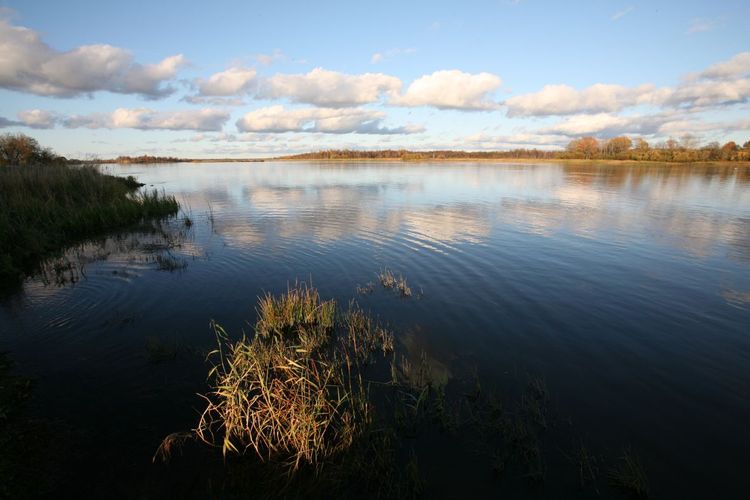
x,y
248,79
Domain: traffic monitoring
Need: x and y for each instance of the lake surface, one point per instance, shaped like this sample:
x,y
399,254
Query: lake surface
x,y
627,288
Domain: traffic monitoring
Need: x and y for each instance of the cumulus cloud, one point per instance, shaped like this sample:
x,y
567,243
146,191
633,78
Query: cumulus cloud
x,y
231,82
451,89
598,98
331,89
277,119
605,124
721,84
708,93
209,120
736,66
37,118
27,64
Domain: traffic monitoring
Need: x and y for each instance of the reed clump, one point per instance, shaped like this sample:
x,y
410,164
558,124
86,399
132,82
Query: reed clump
x,y
46,207
392,282
294,394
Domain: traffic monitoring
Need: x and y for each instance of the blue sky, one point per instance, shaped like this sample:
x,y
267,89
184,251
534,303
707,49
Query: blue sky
x,y
221,78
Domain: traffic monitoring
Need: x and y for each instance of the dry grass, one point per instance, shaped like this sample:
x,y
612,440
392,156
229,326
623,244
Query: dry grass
x,y
392,282
292,394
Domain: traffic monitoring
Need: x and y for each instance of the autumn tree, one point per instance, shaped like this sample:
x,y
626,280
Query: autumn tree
x,y
586,147
617,145
20,149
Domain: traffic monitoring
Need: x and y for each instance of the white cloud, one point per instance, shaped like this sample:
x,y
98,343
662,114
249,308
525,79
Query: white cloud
x,y
37,118
451,89
605,124
738,65
710,93
566,100
277,119
207,119
720,84
28,64
329,88
622,13
231,82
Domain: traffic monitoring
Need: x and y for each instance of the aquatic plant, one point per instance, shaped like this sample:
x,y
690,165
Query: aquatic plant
x,y
391,282
629,475
294,393
46,207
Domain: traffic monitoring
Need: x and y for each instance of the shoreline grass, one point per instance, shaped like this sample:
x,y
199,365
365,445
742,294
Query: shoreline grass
x,y
45,208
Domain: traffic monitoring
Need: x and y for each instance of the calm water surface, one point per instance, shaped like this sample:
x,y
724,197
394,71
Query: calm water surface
x,y
626,288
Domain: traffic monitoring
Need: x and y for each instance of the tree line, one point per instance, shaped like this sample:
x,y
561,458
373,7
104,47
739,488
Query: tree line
x,y
404,154
589,148
672,150
145,159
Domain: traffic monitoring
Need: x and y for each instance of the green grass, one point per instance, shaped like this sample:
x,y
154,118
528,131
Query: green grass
x,y
44,208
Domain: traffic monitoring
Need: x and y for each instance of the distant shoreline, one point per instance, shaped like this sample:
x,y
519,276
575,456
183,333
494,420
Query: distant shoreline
x,y
738,163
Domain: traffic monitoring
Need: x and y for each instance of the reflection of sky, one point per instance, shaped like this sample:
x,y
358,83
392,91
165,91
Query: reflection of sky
x,y
431,205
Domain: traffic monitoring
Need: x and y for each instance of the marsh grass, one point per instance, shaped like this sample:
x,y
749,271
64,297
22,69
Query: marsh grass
x,y
392,282
295,393
44,208
366,289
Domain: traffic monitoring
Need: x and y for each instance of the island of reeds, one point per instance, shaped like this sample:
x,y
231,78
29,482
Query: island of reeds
x,y
48,203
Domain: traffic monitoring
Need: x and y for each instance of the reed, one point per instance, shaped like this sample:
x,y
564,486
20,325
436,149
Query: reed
x,y
294,394
393,282
44,208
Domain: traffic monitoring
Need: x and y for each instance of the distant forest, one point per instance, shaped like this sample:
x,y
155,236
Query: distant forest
x,y
145,159
589,148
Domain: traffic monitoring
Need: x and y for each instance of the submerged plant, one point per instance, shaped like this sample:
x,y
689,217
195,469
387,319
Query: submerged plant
x,y
629,475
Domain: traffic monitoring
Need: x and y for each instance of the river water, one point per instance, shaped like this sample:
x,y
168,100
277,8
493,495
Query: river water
x,y
627,288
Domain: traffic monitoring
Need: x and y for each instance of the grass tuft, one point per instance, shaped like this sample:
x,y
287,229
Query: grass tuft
x,y
392,282
293,394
